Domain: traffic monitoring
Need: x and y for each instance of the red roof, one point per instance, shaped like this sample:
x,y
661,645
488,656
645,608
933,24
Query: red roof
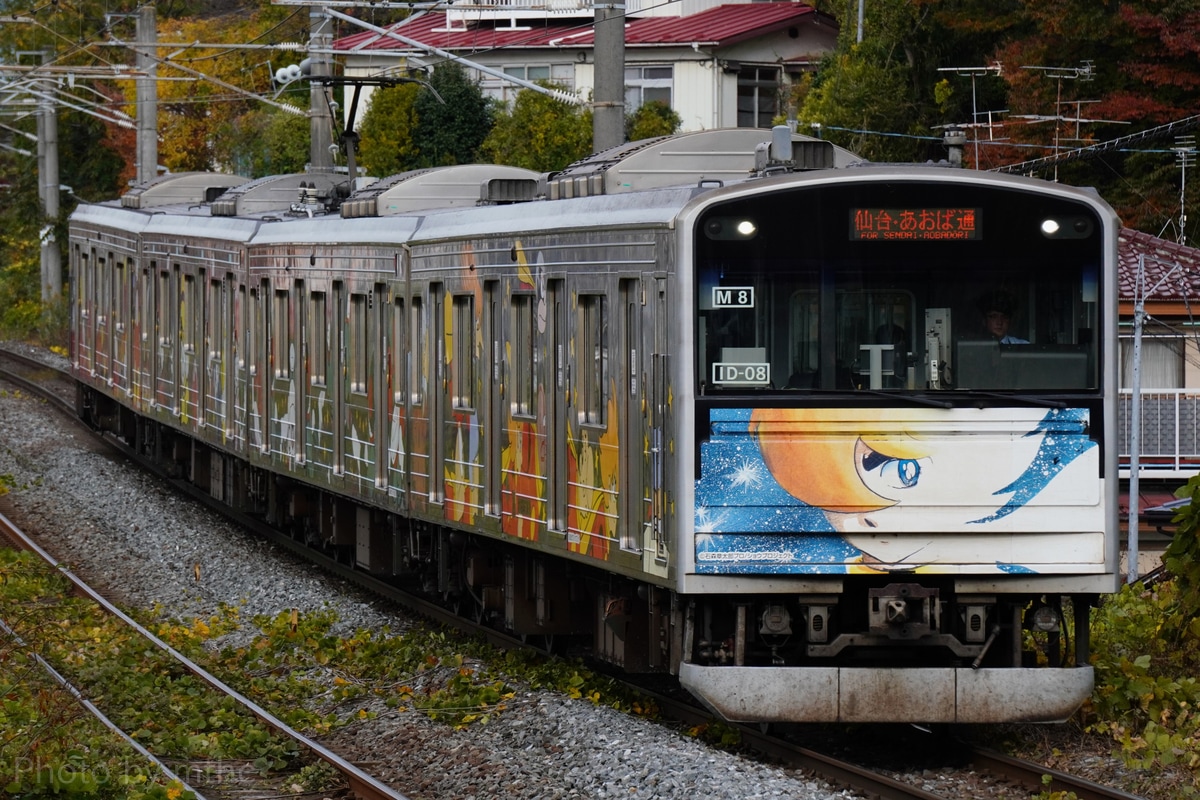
x,y
1160,258
716,27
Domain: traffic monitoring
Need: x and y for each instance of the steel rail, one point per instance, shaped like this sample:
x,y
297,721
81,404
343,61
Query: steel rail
x,y
6,530
1031,774
364,786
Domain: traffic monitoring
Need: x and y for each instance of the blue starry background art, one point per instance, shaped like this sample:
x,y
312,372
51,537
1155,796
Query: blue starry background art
x,y
745,521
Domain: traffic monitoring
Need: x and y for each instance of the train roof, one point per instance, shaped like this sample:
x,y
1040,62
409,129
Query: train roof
x,y
180,188
656,207
443,187
713,156
298,193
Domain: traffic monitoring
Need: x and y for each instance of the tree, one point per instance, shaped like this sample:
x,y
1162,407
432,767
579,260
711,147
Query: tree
x,y
386,145
450,130
198,111
264,141
651,119
541,133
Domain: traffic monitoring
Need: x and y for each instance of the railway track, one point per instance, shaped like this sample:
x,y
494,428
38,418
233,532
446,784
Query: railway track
x,y
56,387
360,784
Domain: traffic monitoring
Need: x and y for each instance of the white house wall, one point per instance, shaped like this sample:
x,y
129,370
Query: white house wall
x,y
696,97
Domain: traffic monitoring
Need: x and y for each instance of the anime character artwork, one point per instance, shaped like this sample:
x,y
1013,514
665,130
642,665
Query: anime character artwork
x,y
806,491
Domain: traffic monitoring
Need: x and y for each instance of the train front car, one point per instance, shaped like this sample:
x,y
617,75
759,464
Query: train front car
x,y
900,499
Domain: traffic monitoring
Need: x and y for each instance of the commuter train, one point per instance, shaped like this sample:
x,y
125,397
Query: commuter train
x,y
724,405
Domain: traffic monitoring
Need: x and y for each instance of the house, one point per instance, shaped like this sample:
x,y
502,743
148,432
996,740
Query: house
x,y
1163,279
717,66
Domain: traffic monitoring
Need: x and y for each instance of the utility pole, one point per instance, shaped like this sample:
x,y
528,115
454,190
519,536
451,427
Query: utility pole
x,y
608,114
320,121
1185,154
147,95
1140,294
47,125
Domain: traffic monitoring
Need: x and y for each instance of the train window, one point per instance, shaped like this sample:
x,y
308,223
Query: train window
x,y
417,351
318,340
104,286
252,335
162,297
81,284
398,352
524,363
593,359
462,358
143,309
215,321
121,314
186,314
357,357
279,335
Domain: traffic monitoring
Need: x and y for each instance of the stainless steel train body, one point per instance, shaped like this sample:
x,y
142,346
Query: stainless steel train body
x,y
746,430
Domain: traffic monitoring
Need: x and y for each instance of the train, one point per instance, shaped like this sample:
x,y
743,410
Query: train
x,y
727,406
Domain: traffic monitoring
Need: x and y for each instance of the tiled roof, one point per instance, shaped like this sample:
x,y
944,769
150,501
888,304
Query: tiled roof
x,y
1160,258
716,27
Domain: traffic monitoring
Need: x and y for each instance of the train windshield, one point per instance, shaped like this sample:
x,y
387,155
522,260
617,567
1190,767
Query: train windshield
x,y
906,285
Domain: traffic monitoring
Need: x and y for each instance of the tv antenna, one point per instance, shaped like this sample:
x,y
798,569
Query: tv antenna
x,y
1084,72
975,73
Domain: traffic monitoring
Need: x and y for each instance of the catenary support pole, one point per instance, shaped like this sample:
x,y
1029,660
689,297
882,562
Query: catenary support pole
x,y
608,114
147,95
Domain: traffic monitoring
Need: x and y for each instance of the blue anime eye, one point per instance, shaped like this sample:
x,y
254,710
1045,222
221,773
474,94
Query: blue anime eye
x,y
899,473
905,471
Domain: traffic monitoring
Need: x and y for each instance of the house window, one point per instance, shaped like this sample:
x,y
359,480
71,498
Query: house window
x,y
561,75
1162,362
758,97
644,84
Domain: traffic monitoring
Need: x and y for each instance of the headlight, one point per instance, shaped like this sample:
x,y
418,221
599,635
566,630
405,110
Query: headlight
x,y
1044,619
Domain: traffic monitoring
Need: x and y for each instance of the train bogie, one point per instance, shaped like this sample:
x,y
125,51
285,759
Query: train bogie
x,y
735,433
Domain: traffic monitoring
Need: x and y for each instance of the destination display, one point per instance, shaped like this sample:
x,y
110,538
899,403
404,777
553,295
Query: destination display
x,y
915,224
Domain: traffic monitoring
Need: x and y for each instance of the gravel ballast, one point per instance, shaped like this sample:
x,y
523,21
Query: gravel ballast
x,y
134,539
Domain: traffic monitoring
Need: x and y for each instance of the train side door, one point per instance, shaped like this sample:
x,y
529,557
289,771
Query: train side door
x,y
122,328
380,319
191,349
591,460
166,304
438,400
362,348
281,409
654,547
258,351
216,336
318,348
239,367
493,396
631,420
102,339
461,447
396,466
419,404
556,406
143,338
85,335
